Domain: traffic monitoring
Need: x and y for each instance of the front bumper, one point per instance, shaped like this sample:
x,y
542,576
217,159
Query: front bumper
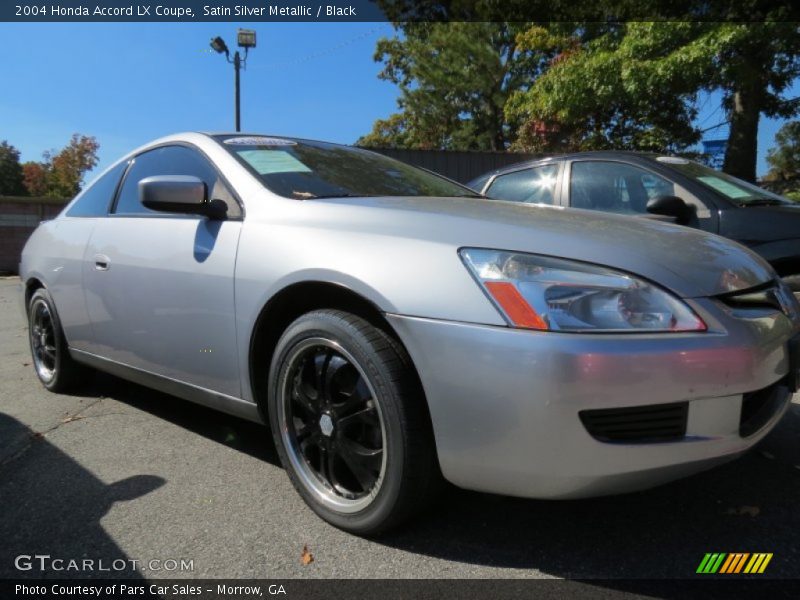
x,y
505,403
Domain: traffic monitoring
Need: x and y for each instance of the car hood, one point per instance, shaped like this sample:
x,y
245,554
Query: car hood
x,y
755,225
689,262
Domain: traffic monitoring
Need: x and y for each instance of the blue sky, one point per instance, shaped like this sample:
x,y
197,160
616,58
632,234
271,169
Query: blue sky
x,y
129,83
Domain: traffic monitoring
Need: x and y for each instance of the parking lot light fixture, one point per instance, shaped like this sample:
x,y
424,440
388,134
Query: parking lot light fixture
x,y
246,38
218,44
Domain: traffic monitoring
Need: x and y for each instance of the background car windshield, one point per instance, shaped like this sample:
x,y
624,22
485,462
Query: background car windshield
x,y
732,188
306,169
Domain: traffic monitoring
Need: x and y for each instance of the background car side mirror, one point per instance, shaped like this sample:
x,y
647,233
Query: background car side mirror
x,y
179,194
670,206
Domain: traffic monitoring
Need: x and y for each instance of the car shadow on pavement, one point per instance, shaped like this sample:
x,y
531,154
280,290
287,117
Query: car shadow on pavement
x,y
248,437
36,482
749,505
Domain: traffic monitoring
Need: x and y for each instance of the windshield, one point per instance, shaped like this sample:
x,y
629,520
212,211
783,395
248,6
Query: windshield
x,y
304,170
732,188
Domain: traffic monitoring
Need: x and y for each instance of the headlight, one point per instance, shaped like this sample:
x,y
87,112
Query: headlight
x,y
539,292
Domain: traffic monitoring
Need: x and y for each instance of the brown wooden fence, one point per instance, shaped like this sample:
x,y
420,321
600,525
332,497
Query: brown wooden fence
x,y
461,166
19,216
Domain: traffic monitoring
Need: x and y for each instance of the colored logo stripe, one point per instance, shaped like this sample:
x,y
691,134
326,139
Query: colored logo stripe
x,y
735,562
711,563
721,562
758,563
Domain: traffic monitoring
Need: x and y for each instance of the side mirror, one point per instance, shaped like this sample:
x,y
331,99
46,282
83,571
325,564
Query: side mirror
x,y
670,206
182,194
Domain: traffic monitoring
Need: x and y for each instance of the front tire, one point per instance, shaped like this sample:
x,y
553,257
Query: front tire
x,y
350,422
51,359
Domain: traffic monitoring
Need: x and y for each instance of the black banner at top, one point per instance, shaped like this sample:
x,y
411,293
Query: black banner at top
x,y
396,10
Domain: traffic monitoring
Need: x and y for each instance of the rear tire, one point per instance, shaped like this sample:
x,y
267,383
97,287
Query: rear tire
x,y
350,423
52,362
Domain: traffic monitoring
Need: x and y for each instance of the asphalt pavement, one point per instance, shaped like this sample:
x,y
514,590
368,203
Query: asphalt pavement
x,y
122,473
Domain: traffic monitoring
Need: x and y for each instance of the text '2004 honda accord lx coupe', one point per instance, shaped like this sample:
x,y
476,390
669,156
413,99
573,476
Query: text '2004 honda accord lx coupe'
x,y
394,329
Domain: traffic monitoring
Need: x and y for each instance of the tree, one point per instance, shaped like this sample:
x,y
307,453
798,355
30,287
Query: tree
x,y
11,177
454,80
35,178
71,164
595,95
784,158
638,80
60,174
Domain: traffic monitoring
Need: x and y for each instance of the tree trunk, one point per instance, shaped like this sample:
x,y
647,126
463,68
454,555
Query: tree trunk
x,y
741,152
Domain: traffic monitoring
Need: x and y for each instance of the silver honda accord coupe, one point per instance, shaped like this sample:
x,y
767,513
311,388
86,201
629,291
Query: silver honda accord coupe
x,y
396,330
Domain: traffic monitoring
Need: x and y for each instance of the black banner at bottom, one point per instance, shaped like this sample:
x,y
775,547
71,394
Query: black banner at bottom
x,y
396,589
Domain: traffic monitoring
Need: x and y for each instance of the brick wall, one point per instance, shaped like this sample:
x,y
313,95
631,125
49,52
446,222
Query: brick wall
x,y
18,218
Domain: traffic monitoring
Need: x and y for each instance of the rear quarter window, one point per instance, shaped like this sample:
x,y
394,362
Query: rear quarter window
x,y
95,200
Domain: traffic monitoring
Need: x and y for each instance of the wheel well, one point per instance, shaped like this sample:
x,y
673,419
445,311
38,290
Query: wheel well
x,y
31,286
289,304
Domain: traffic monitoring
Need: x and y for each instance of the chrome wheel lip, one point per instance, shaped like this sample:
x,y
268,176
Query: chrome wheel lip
x,y
309,479
41,330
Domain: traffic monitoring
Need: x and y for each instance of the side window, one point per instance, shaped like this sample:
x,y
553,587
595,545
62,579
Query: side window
x,y
171,160
536,185
95,200
615,187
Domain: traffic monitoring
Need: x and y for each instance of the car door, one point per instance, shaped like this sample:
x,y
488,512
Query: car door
x,y
624,188
531,185
159,287
64,252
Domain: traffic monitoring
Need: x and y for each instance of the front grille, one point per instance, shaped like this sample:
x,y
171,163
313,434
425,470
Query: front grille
x,y
637,424
759,407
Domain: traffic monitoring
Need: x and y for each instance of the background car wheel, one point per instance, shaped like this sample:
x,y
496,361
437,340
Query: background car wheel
x,y
350,422
51,359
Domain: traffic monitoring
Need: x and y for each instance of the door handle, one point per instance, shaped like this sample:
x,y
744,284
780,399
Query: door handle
x,y
101,262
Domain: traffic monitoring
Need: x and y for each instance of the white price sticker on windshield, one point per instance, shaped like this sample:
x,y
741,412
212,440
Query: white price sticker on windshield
x,y
266,162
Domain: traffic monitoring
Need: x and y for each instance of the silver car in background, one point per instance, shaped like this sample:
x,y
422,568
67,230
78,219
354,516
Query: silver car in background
x,y
394,329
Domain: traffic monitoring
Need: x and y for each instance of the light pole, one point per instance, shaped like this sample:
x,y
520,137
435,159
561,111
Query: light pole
x,y
245,38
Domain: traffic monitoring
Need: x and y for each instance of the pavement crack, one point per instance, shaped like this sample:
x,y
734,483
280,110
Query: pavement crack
x,y
17,454
73,417
38,435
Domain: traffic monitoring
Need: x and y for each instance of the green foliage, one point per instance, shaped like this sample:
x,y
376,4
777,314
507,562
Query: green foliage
x,y
793,195
454,80
11,177
597,84
784,158
633,85
625,87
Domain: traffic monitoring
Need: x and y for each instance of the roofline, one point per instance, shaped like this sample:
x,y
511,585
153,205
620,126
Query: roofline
x,y
278,136
572,155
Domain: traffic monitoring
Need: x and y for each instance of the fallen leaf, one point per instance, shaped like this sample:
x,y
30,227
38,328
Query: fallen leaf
x,y
26,364
744,510
306,557
37,435
71,419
